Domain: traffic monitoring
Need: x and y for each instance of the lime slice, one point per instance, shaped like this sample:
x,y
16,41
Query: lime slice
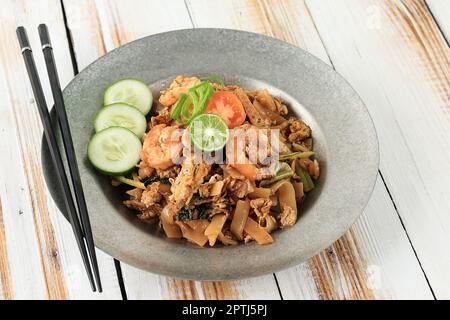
x,y
208,132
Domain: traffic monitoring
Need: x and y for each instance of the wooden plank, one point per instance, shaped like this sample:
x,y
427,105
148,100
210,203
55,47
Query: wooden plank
x,y
285,20
393,53
363,264
42,256
441,13
6,292
360,264
100,26
145,285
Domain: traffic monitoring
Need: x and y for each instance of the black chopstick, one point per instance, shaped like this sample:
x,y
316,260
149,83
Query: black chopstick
x,y
53,146
68,146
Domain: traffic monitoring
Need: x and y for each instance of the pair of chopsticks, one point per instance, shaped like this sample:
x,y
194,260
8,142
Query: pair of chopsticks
x,y
80,221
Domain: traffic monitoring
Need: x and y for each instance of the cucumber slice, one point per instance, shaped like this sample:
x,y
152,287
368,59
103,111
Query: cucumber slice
x,y
130,91
114,151
121,115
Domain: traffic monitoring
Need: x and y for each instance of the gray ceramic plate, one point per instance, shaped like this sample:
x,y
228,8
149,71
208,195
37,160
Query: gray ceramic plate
x,y
345,142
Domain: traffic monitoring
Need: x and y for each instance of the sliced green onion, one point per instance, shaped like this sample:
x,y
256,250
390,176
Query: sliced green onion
x,y
176,111
196,87
308,184
278,177
282,166
203,103
192,104
185,110
283,171
294,155
194,96
214,79
130,182
201,95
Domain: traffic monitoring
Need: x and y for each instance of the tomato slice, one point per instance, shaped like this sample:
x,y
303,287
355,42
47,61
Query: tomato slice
x,y
229,107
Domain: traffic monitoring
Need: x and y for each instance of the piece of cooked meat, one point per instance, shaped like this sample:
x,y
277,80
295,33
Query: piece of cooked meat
x,y
299,131
163,117
287,216
239,187
187,182
172,172
220,205
260,146
182,190
144,170
178,86
261,207
150,213
135,194
212,188
134,204
266,138
151,194
200,172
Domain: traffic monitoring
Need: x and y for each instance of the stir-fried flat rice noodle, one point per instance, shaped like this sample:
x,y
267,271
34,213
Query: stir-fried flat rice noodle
x,y
252,187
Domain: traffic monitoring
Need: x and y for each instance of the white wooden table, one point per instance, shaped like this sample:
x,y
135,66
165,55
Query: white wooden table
x,y
394,52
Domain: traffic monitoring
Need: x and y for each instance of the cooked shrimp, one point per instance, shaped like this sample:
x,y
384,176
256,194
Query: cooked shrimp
x,y
161,146
178,86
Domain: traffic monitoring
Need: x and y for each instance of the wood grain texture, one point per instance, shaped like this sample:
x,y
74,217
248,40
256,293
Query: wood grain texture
x,y
285,20
441,13
355,267
100,26
43,258
5,275
415,23
393,53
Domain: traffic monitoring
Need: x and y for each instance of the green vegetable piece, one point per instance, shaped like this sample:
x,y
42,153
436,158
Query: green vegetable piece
x,y
164,181
280,176
156,178
152,179
184,215
295,155
308,183
176,112
192,104
203,212
185,110
130,182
